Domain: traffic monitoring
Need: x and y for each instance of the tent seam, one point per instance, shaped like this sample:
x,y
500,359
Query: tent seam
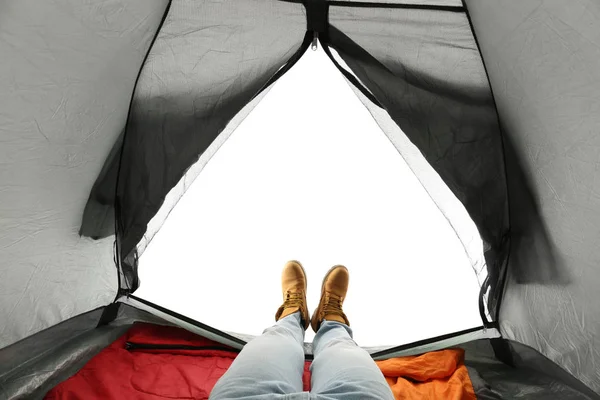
x,y
118,221
367,4
506,237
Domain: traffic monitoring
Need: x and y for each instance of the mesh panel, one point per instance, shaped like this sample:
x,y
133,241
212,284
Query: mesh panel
x,y
424,67
207,63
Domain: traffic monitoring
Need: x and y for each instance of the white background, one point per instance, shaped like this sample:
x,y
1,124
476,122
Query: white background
x,y
309,175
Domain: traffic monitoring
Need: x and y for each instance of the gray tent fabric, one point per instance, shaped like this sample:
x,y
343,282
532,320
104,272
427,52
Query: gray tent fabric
x,y
68,71
532,378
456,3
108,107
33,366
98,219
543,58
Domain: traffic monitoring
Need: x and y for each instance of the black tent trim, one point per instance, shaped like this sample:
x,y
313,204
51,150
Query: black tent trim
x,y
189,320
308,356
366,4
349,75
482,291
129,270
418,343
289,64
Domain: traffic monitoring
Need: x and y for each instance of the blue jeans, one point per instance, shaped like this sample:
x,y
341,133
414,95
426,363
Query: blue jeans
x,y
271,366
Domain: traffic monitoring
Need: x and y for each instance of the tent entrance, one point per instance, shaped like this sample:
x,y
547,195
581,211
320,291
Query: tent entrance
x,y
309,175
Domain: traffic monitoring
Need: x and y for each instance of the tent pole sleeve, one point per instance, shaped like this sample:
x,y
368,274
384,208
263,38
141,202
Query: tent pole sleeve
x,y
109,314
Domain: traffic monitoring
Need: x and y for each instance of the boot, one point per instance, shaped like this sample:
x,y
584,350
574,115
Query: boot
x,y
293,287
333,293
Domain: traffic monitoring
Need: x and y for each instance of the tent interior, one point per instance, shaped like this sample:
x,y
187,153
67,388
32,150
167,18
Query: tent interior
x,y
155,152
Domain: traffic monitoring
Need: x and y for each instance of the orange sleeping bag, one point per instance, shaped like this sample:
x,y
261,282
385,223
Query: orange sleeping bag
x,y
436,375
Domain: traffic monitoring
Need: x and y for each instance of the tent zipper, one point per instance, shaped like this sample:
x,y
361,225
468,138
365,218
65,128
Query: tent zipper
x,y
316,19
131,346
314,46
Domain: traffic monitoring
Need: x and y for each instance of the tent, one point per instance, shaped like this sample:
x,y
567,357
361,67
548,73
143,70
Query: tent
x,y
111,108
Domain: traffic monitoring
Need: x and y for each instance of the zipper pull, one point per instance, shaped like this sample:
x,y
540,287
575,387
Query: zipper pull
x,y
315,41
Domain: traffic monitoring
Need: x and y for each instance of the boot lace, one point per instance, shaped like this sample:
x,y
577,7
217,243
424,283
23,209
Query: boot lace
x,y
333,305
293,299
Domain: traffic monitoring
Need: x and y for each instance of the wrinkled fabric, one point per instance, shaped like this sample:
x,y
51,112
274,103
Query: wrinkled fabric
x,y
535,379
436,375
68,70
543,59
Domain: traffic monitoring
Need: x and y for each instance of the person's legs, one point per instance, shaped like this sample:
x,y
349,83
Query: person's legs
x,y
270,365
342,370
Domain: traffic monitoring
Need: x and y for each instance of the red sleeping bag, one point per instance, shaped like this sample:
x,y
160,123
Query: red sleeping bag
x,y
153,362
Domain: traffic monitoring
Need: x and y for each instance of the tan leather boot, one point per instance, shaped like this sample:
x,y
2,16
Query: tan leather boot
x,y
333,293
293,287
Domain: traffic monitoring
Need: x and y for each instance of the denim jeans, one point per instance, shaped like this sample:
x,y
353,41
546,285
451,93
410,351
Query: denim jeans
x,y
271,366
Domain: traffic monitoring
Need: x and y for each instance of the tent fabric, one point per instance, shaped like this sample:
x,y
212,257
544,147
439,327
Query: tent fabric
x,y
34,365
527,379
515,142
454,3
68,71
528,358
543,59
15,358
